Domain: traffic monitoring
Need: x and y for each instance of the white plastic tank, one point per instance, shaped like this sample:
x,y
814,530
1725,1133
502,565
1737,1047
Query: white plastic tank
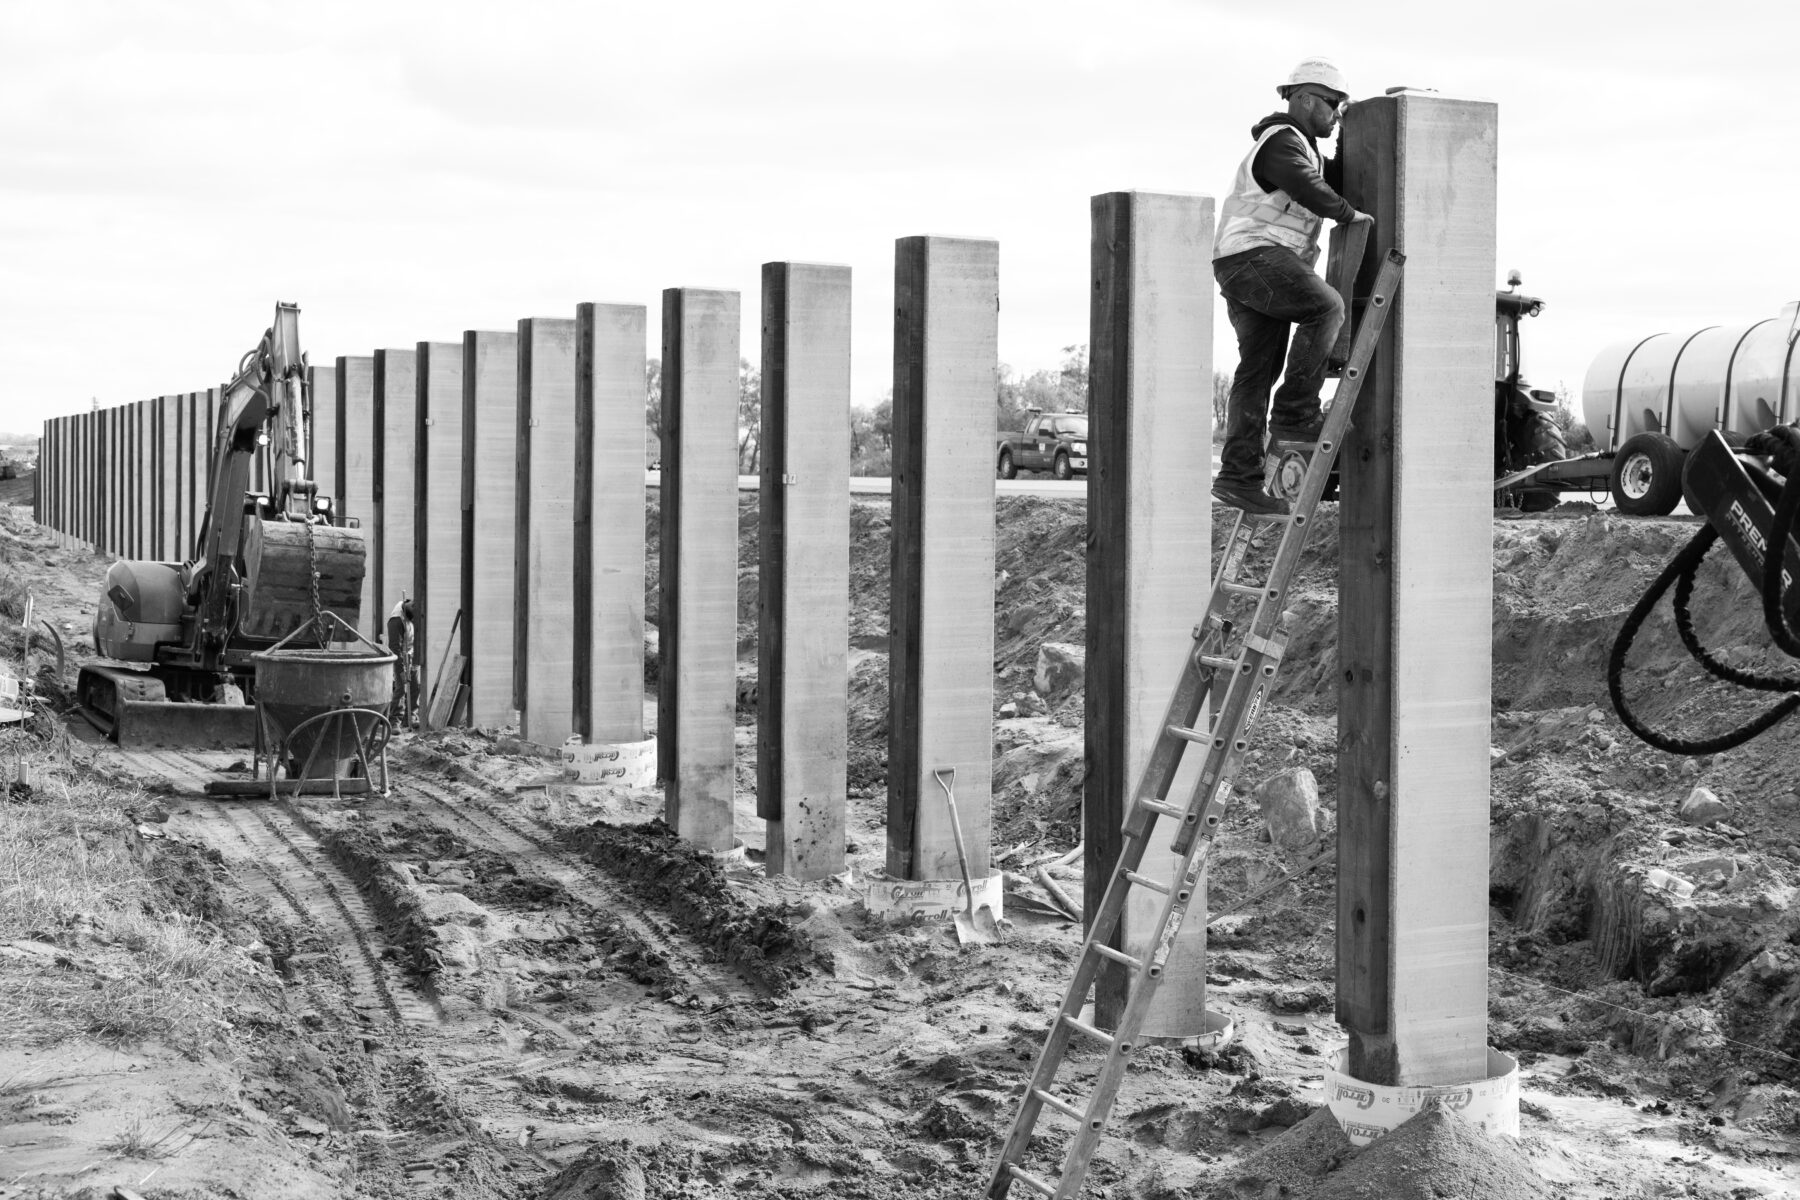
x,y
1738,378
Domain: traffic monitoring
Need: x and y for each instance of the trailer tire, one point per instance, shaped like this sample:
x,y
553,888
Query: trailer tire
x,y
1646,475
1007,469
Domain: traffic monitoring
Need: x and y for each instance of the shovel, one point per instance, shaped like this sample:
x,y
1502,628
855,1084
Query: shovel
x,y
972,924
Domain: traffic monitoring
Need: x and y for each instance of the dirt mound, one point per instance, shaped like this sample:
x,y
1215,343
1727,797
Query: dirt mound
x,y
763,944
1436,1156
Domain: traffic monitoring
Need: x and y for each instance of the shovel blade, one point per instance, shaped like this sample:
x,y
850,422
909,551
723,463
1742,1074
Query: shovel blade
x,y
977,928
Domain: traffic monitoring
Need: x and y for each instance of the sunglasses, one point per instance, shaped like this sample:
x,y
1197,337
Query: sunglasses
x,y
1337,106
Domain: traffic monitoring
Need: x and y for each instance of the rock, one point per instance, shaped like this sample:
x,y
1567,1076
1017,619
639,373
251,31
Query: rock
x,y
1061,669
1703,808
1289,801
1008,711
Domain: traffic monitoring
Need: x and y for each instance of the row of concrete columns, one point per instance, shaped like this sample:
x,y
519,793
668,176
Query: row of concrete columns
x,y
501,477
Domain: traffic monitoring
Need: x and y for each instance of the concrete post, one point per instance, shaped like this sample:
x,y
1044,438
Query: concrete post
x,y
941,658
1415,604
168,478
803,630
490,473
609,522
697,688
437,511
396,415
322,455
143,479
544,577
356,458
1149,552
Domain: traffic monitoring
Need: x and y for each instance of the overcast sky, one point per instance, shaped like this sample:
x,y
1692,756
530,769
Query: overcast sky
x,y
171,168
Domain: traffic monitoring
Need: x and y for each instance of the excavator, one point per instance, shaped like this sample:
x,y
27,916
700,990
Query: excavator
x,y
178,637
1750,496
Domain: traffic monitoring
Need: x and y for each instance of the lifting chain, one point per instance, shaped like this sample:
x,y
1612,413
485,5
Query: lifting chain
x,y
312,579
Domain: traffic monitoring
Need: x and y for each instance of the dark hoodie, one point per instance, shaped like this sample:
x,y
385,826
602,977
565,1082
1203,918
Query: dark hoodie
x,y
1283,164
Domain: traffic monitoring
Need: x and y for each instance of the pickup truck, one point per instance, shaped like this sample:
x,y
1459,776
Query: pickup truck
x,y
1053,442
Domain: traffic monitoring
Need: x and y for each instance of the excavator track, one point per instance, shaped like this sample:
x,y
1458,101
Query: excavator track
x,y
464,804
292,870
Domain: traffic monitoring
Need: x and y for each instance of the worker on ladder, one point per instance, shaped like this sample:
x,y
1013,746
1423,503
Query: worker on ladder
x,y
1263,258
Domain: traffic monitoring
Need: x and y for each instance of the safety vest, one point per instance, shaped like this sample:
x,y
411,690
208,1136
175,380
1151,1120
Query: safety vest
x,y
1252,217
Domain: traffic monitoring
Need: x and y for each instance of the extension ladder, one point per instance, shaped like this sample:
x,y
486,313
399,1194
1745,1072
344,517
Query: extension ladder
x,y
1241,679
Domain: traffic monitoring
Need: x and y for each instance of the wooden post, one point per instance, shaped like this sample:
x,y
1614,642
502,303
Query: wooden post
x,y
356,458
490,475
437,508
697,685
941,656
544,571
803,609
1415,604
1149,551
610,354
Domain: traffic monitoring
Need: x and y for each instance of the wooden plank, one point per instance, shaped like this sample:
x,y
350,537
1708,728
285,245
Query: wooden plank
x,y
946,304
609,521
1415,606
544,575
803,629
697,685
396,406
437,498
490,480
356,458
1149,555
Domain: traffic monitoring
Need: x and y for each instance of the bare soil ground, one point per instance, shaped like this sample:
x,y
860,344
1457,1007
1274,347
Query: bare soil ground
x,y
487,985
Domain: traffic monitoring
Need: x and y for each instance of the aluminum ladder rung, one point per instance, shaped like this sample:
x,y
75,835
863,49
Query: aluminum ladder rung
x,y
1036,1183
1241,589
1154,885
1082,1027
1118,956
1061,1106
1163,810
1218,662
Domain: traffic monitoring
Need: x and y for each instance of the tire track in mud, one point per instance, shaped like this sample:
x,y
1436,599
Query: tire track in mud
x,y
297,869
711,986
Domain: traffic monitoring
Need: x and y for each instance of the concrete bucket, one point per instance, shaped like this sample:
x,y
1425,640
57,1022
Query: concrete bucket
x,y
322,713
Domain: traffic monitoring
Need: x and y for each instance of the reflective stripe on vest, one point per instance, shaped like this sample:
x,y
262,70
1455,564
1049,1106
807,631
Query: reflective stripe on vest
x,y
1252,217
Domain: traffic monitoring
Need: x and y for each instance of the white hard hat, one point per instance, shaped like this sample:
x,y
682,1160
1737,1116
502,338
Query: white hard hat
x,y
1321,71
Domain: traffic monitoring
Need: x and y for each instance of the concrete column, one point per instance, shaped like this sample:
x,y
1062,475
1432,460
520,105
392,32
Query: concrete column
x,y
490,473
609,522
1149,553
143,481
110,462
697,688
322,455
437,507
168,478
941,658
803,608
544,570
198,450
356,459
396,415
1415,604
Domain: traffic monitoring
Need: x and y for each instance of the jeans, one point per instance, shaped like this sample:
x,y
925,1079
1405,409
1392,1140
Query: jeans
x,y
1266,290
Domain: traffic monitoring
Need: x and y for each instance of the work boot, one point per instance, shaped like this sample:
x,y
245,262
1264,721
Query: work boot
x,y
1252,500
1306,433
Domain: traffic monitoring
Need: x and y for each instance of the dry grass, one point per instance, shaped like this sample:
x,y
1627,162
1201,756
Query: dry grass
x,y
129,968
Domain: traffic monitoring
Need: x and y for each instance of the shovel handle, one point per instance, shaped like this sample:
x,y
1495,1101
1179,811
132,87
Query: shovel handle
x,y
962,857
